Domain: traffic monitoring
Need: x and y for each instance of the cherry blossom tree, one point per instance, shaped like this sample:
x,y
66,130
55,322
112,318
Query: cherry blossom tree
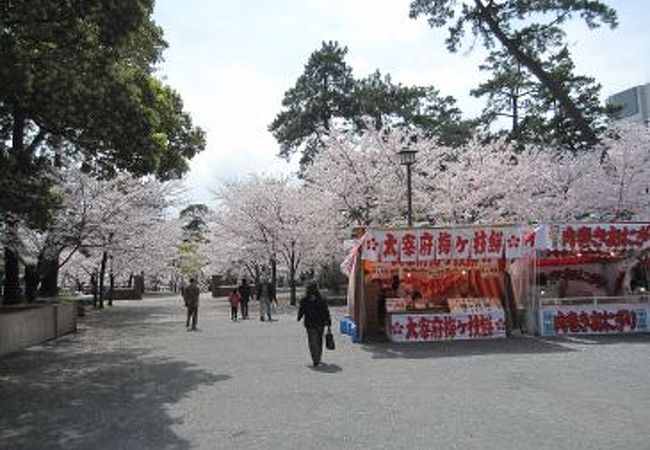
x,y
484,181
607,183
552,186
623,183
467,184
117,217
274,220
248,216
308,233
227,250
152,252
357,179
362,175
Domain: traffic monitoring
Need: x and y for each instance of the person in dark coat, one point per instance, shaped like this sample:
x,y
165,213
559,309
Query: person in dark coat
x,y
245,294
317,316
191,296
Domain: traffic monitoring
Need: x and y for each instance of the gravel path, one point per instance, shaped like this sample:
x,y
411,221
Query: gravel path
x,y
134,378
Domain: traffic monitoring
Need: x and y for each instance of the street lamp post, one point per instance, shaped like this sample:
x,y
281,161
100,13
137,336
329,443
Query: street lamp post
x,y
407,158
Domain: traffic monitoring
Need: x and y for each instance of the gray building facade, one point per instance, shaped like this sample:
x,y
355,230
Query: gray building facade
x,y
635,104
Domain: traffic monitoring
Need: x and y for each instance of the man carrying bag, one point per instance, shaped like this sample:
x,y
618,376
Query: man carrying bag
x,y
317,316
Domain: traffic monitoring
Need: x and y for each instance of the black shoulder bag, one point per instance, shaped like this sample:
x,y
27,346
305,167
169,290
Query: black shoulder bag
x,y
329,339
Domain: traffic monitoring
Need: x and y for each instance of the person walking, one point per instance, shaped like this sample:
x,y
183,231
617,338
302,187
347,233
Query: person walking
x,y
234,300
317,316
245,296
191,295
265,294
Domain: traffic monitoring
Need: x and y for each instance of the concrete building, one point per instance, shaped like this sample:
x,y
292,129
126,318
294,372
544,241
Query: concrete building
x,y
635,103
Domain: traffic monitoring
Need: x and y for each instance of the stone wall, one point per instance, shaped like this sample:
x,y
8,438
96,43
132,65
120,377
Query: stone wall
x,y
22,327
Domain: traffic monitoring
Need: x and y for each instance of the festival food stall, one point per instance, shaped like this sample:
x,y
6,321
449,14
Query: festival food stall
x,y
437,284
592,278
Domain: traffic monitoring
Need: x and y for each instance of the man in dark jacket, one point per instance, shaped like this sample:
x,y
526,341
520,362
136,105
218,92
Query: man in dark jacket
x,y
317,316
191,296
245,294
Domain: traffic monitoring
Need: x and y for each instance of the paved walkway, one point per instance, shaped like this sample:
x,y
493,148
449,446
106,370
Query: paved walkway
x,y
133,378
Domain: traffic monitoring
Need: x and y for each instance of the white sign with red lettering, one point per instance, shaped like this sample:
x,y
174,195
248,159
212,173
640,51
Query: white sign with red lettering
x,y
414,327
594,319
597,237
426,245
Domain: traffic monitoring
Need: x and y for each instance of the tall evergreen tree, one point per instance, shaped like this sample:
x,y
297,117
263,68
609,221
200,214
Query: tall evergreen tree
x,y
321,93
377,97
327,95
194,222
514,24
536,116
81,72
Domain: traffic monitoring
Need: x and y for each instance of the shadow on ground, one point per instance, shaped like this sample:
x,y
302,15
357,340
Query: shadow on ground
x,y
133,319
414,350
326,368
72,395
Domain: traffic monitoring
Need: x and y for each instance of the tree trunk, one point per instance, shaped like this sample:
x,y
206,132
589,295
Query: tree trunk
x,y
292,274
274,272
515,104
292,285
31,282
11,291
555,88
49,270
12,294
111,287
142,287
257,274
515,115
367,220
18,136
102,273
93,284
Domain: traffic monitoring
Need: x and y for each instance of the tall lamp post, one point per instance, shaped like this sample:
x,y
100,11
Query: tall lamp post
x,y
407,158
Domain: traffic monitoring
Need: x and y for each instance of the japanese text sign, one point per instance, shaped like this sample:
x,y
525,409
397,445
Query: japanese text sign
x,y
598,237
446,327
426,245
610,319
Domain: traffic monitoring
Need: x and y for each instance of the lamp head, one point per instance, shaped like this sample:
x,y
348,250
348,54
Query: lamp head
x,y
407,156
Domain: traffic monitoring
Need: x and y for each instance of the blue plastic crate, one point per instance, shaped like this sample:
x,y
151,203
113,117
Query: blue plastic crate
x,y
345,323
347,326
353,332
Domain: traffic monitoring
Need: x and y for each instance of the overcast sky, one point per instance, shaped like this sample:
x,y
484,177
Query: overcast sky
x,y
232,61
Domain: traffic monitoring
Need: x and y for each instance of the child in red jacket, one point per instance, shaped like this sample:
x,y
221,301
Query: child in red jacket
x,y
234,300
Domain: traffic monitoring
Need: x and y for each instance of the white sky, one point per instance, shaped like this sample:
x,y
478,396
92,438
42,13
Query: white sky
x,y
232,61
